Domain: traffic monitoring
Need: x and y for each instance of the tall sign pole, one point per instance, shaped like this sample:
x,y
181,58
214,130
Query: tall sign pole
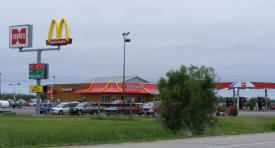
x,y
21,37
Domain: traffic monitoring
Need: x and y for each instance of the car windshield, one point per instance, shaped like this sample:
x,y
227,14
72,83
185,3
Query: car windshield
x,y
60,105
81,104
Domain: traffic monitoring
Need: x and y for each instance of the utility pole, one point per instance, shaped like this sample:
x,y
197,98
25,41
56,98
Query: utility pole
x,y
238,99
52,83
125,39
265,90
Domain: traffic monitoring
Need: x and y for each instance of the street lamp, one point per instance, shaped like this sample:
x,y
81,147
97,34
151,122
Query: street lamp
x,y
52,88
14,84
125,40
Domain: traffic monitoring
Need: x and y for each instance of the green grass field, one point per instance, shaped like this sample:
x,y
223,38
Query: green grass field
x,y
29,131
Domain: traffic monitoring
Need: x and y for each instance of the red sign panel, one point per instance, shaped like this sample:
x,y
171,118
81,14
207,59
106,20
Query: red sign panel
x,y
21,36
18,36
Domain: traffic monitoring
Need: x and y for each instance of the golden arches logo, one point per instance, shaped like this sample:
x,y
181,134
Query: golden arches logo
x,y
59,27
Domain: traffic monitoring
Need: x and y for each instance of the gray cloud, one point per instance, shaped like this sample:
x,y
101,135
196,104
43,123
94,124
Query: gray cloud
x,y
233,37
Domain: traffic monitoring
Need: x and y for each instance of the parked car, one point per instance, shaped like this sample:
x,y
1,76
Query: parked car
x,y
151,108
33,102
85,107
21,102
120,102
63,108
45,108
140,105
13,103
272,106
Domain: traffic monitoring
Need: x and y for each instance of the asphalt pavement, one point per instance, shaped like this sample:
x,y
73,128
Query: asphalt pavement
x,y
23,110
263,140
31,110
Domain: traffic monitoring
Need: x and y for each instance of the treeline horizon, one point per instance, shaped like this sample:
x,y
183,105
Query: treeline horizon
x,y
6,96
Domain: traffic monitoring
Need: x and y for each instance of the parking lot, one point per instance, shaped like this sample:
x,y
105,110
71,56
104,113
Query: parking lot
x,y
23,110
31,111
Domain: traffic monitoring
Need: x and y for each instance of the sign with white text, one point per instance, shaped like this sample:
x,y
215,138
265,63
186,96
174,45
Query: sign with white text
x,y
20,36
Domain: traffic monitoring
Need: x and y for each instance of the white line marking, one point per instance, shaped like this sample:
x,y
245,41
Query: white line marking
x,y
239,145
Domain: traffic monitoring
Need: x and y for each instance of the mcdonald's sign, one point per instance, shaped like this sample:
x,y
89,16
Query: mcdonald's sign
x,y
59,27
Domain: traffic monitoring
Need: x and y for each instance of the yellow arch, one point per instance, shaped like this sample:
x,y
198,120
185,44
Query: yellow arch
x,y
144,88
59,28
91,85
105,87
118,87
53,23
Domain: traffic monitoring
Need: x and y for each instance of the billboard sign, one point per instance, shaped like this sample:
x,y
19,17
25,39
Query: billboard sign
x,y
35,89
20,36
38,71
59,27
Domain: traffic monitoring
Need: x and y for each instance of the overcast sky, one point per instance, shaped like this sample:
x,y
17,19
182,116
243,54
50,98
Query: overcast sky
x,y
234,37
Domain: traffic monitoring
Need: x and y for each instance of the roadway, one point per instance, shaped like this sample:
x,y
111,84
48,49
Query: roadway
x,y
266,140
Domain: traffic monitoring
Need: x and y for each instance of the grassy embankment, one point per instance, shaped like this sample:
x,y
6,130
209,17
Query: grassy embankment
x,y
28,131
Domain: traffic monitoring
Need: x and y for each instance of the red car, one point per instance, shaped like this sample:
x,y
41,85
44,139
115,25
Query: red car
x,y
272,106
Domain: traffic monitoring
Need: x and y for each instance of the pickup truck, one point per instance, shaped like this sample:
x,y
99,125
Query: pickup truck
x,y
152,108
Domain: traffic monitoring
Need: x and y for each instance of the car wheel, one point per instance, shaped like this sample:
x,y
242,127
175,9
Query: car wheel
x,y
80,112
60,112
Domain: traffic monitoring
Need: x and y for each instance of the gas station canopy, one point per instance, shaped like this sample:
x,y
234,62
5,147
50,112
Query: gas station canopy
x,y
245,85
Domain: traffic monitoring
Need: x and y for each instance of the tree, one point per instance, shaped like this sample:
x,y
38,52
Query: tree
x,y
187,98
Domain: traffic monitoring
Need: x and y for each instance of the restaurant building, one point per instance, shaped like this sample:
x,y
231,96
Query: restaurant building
x,y
104,90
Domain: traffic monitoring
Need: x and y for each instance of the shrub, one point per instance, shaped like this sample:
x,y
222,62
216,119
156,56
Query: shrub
x,y
188,98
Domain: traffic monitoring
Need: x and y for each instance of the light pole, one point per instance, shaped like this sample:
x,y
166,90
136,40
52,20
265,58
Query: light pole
x,y
14,84
125,40
52,88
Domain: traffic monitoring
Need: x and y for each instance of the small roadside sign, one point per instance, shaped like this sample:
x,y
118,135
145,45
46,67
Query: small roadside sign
x,y
35,89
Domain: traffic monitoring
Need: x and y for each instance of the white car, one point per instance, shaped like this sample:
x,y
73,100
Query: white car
x,y
33,102
63,108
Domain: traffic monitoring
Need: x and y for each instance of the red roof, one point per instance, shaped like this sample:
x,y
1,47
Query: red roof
x,y
51,91
117,88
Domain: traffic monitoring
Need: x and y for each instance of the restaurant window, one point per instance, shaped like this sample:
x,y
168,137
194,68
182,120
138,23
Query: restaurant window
x,y
114,98
105,99
129,99
140,99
